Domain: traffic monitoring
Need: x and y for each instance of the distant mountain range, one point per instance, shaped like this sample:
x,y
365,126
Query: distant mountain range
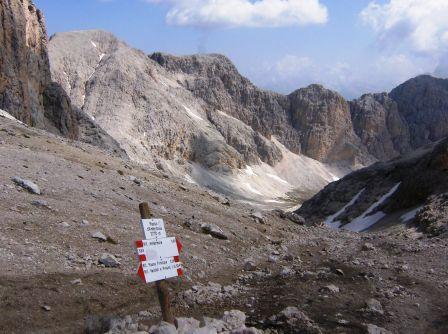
x,y
196,117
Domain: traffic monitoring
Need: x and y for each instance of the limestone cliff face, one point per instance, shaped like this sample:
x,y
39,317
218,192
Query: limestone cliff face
x,y
199,108
25,71
379,125
322,120
26,90
313,121
423,103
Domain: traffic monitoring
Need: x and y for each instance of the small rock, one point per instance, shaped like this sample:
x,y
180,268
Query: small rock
x,y
100,236
297,320
374,306
295,218
373,329
272,259
331,288
76,282
258,216
214,231
234,319
85,222
216,324
144,314
339,272
109,260
163,328
249,265
27,184
187,325
40,203
205,330
64,224
46,308
367,247
135,180
286,272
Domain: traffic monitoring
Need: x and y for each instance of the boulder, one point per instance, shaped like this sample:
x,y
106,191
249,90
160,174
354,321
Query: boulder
x,y
109,260
214,231
187,325
27,184
163,328
98,235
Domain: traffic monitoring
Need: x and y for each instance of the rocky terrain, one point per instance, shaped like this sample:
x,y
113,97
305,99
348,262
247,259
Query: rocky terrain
x,y
405,190
60,276
118,127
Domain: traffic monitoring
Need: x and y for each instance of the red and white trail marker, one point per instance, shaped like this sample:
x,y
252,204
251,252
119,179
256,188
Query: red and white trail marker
x,y
155,249
158,255
153,228
151,271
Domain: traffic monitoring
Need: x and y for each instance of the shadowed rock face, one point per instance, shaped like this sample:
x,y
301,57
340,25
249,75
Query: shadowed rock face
x,y
26,91
423,103
23,59
422,177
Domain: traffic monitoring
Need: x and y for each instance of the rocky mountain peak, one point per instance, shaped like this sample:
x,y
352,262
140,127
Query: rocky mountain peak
x,y
423,102
25,80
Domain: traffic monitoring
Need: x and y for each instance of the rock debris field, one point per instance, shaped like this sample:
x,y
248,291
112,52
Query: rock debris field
x,y
69,220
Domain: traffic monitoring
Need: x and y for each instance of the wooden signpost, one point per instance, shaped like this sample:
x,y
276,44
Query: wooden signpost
x,y
159,258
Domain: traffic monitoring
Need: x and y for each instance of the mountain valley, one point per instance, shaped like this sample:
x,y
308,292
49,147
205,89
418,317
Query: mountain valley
x,y
298,213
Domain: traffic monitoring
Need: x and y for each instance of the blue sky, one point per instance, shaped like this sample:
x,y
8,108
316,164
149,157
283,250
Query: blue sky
x,y
352,46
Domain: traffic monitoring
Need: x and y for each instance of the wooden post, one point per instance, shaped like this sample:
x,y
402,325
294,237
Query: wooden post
x,y
162,287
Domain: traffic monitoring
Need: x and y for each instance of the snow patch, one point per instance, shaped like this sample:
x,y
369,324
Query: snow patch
x,y
334,177
293,208
336,224
410,215
193,114
102,56
273,201
366,220
252,189
9,116
278,178
249,171
93,44
189,179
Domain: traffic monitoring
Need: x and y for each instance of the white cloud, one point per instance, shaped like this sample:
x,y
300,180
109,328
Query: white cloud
x,y
420,24
244,13
376,74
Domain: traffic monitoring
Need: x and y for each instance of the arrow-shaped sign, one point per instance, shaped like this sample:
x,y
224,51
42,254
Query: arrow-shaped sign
x,y
155,249
151,271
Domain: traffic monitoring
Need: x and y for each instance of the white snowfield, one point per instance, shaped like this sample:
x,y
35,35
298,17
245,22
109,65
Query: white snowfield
x,y
410,215
366,220
330,221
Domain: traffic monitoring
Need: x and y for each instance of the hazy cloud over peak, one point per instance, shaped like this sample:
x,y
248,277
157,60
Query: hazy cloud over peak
x,y
244,13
